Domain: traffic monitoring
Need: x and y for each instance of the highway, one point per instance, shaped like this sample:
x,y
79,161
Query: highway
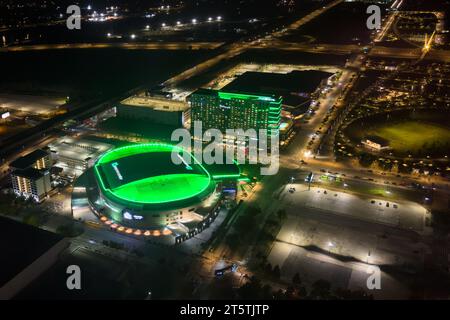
x,y
235,49
125,46
347,49
290,162
263,194
87,108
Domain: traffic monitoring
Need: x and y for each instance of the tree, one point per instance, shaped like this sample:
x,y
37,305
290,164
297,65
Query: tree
x,y
296,279
233,241
276,272
366,159
267,292
321,289
251,290
268,268
302,292
290,293
281,214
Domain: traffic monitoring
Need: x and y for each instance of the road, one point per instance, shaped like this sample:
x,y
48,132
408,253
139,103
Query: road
x,y
127,46
291,161
262,193
347,49
265,194
239,47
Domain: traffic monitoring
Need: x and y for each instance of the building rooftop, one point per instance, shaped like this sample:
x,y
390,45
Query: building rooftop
x,y
125,176
21,245
278,83
155,103
29,173
29,159
81,149
232,94
377,139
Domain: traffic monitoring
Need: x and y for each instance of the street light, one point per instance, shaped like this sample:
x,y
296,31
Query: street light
x,y
219,18
133,36
209,19
194,21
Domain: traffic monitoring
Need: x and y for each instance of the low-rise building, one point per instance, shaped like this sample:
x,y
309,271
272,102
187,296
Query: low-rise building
x,y
375,142
38,159
155,109
31,183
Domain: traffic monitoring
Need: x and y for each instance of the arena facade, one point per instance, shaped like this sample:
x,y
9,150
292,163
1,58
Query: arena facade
x,y
138,189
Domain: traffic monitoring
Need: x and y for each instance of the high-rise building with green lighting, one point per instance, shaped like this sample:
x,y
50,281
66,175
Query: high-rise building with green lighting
x,y
227,110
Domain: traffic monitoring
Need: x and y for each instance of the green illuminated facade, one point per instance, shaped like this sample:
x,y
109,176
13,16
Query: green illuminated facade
x,y
226,110
141,187
144,175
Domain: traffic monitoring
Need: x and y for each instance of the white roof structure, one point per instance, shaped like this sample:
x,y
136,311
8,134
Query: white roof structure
x,y
78,151
154,103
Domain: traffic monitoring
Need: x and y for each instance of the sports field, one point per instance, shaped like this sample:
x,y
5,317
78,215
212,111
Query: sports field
x,y
412,136
146,174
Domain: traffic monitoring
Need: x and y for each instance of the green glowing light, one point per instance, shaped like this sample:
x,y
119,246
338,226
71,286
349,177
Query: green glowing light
x,y
229,96
162,189
135,149
226,176
177,184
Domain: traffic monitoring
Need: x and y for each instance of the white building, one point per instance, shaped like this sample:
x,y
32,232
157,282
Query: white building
x,y
375,142
32,183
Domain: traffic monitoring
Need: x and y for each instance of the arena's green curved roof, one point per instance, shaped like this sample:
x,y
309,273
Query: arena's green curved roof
x,y
145,174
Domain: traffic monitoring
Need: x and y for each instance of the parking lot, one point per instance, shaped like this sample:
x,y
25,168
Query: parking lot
x,y
337,236
402,214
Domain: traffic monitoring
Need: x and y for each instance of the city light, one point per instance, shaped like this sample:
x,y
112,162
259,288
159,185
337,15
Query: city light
x,y
296,119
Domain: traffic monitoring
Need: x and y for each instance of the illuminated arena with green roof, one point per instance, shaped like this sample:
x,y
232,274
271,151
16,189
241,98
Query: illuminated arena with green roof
x,y
152,185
